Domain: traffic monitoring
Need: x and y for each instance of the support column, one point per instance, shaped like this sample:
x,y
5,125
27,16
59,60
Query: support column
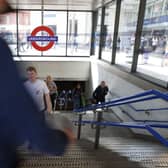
x,y
116,27
101,32
138,34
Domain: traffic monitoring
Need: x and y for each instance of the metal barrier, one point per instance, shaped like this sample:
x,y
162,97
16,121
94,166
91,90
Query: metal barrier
x,y
145,96
141,97
139,110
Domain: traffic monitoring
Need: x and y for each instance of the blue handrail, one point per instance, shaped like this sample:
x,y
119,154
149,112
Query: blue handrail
x,y
125,124
141,97
144,121
145,96
138,125
143,109
148,109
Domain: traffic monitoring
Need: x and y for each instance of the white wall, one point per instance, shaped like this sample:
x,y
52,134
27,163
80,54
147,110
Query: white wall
x,y
122,87
59,70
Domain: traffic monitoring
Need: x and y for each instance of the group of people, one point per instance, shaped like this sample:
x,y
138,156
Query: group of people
x,y
98,95
45,93
155,44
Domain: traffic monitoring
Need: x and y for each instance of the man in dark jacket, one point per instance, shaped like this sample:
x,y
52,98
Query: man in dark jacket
x,y
19,117
100,93
76,94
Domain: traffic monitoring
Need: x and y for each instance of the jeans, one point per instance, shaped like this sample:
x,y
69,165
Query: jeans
x,y
76,103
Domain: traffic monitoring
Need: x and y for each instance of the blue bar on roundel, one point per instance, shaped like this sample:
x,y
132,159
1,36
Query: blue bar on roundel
x,y
42,38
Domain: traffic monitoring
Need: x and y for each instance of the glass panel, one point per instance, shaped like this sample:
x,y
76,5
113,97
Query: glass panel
x,y
57,21
165,10
153,57
8,31
79,33
108,30
157,8
28,21
126,35
97,33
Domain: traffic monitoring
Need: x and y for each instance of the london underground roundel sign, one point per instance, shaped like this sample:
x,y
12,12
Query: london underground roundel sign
x,y
50,39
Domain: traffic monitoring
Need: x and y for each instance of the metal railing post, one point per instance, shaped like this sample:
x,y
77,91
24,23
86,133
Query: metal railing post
x,y
98,127
79,126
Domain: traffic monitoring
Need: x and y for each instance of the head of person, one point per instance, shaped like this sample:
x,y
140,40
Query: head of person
x,y
31,73
78,86
103,84
5,7
49,78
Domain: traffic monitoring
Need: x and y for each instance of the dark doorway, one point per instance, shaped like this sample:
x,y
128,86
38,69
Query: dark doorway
x,y
64,99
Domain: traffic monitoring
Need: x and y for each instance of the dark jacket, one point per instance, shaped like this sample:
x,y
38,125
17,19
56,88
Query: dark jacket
x,y
100,93
19,118
76,93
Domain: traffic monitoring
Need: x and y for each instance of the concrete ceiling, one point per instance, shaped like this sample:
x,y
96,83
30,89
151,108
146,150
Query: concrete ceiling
x,y
58,4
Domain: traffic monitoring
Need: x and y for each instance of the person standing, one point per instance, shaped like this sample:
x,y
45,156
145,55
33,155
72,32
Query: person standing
x,y
154,43
165,56
76,96
100,93
38,90
118,43
52,90
99,97
21,43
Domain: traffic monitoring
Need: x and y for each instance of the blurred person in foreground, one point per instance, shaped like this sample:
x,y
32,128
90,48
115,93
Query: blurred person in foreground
x,y
19,116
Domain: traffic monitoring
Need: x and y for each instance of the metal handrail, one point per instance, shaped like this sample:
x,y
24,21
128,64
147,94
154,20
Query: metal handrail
x,y
141,97
143,109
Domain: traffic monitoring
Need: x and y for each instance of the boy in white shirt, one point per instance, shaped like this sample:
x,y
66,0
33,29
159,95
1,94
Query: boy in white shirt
x,y
38,90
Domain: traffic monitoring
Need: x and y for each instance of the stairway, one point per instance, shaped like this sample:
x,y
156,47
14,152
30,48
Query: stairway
x,y
118,149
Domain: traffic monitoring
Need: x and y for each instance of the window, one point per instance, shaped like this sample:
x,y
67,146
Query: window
x,y
97,33
153,57
8,31
157,8
108,30
79,33
166,8
57,21
149,12
28,21
126,35
73,34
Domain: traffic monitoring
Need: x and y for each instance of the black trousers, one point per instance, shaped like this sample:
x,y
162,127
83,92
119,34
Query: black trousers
x,y
100,101
52,97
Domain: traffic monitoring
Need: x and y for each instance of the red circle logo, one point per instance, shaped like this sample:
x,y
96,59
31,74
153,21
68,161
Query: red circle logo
x,y
40,38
